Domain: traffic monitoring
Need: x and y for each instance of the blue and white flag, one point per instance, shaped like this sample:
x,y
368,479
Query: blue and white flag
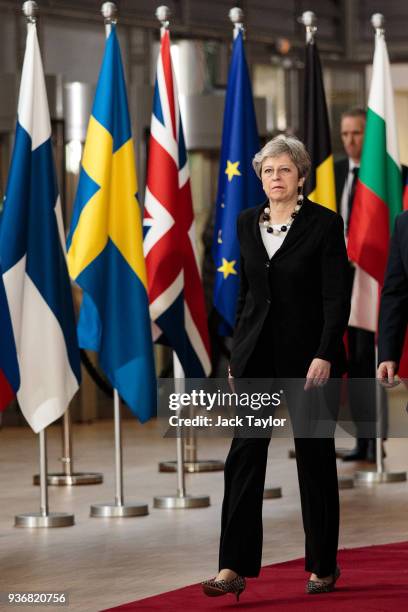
x,y
32,254
238,185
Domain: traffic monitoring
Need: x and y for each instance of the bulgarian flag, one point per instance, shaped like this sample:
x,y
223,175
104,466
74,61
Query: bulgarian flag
x,y
378,198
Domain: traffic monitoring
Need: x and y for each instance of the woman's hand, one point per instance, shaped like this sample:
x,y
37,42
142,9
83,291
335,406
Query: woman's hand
x,y
386,372
318,373
231,380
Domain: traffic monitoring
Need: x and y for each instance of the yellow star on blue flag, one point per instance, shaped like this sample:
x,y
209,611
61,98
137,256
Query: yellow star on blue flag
x,y
238,185
232,169
227,267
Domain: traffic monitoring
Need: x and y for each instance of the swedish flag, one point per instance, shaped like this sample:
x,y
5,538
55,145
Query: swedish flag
x,y
105,245
238,185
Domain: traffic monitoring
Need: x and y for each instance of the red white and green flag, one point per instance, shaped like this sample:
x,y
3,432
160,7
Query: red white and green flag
x,y
378,198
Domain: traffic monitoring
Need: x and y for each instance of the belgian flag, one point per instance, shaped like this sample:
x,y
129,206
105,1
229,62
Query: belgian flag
x,y
320,185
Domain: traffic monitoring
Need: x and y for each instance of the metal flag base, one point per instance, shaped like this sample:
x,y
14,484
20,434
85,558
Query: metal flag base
x,y
43,518
68,477
340,452
369,478
272,493
181,501
203,465
37,519
78,478
118,510
345,482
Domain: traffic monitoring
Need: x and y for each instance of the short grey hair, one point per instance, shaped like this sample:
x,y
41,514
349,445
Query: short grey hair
x,y
289,145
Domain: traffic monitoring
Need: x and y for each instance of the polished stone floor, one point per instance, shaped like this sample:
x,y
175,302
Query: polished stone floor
x,y
105,562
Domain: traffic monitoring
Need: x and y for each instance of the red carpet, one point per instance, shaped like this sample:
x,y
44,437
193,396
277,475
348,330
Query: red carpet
x,y
373,579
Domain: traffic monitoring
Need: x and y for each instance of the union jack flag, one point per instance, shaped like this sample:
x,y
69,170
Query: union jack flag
x,y
176,297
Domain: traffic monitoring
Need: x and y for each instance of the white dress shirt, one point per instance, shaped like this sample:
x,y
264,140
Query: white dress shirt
x,y
271,241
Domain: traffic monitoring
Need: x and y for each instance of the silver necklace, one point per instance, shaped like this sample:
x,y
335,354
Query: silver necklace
x,y
284,227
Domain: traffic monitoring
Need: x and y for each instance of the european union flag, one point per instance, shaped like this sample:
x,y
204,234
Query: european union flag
x,y
105,245
238,185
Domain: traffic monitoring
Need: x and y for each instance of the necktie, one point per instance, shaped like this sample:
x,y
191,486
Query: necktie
x,y
352,193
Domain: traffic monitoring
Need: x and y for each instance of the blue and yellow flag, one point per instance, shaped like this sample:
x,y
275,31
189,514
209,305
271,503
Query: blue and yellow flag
x,y
105,245
238,185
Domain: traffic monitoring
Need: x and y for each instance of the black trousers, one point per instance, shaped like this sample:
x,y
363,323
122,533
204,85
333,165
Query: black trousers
x,y
241,522
361,365
244,475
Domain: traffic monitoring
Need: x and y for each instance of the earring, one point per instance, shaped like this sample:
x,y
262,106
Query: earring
x,y
300,195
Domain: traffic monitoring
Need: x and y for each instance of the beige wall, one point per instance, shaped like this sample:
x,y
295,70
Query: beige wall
x,y
401,109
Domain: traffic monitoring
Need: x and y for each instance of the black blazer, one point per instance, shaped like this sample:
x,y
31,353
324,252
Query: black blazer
x,y
304,285
341,169
394,296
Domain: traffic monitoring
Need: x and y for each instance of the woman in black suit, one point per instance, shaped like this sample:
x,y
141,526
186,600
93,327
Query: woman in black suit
x,y
292,311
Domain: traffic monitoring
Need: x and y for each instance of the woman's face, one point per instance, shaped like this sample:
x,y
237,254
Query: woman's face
x,y
280,178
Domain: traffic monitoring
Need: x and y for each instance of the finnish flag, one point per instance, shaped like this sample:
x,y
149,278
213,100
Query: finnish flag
x,y
32,254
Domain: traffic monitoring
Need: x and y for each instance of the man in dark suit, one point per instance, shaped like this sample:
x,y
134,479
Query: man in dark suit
x,y
394,303
346,169
361,342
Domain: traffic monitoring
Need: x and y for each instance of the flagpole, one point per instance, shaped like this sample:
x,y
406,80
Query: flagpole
x,y
236,16
118,508
180,500
179,381
309,20
68,477
379,475
43,518
191,463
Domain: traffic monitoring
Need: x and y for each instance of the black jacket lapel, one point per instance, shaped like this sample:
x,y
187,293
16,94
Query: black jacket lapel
x,y
299,226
